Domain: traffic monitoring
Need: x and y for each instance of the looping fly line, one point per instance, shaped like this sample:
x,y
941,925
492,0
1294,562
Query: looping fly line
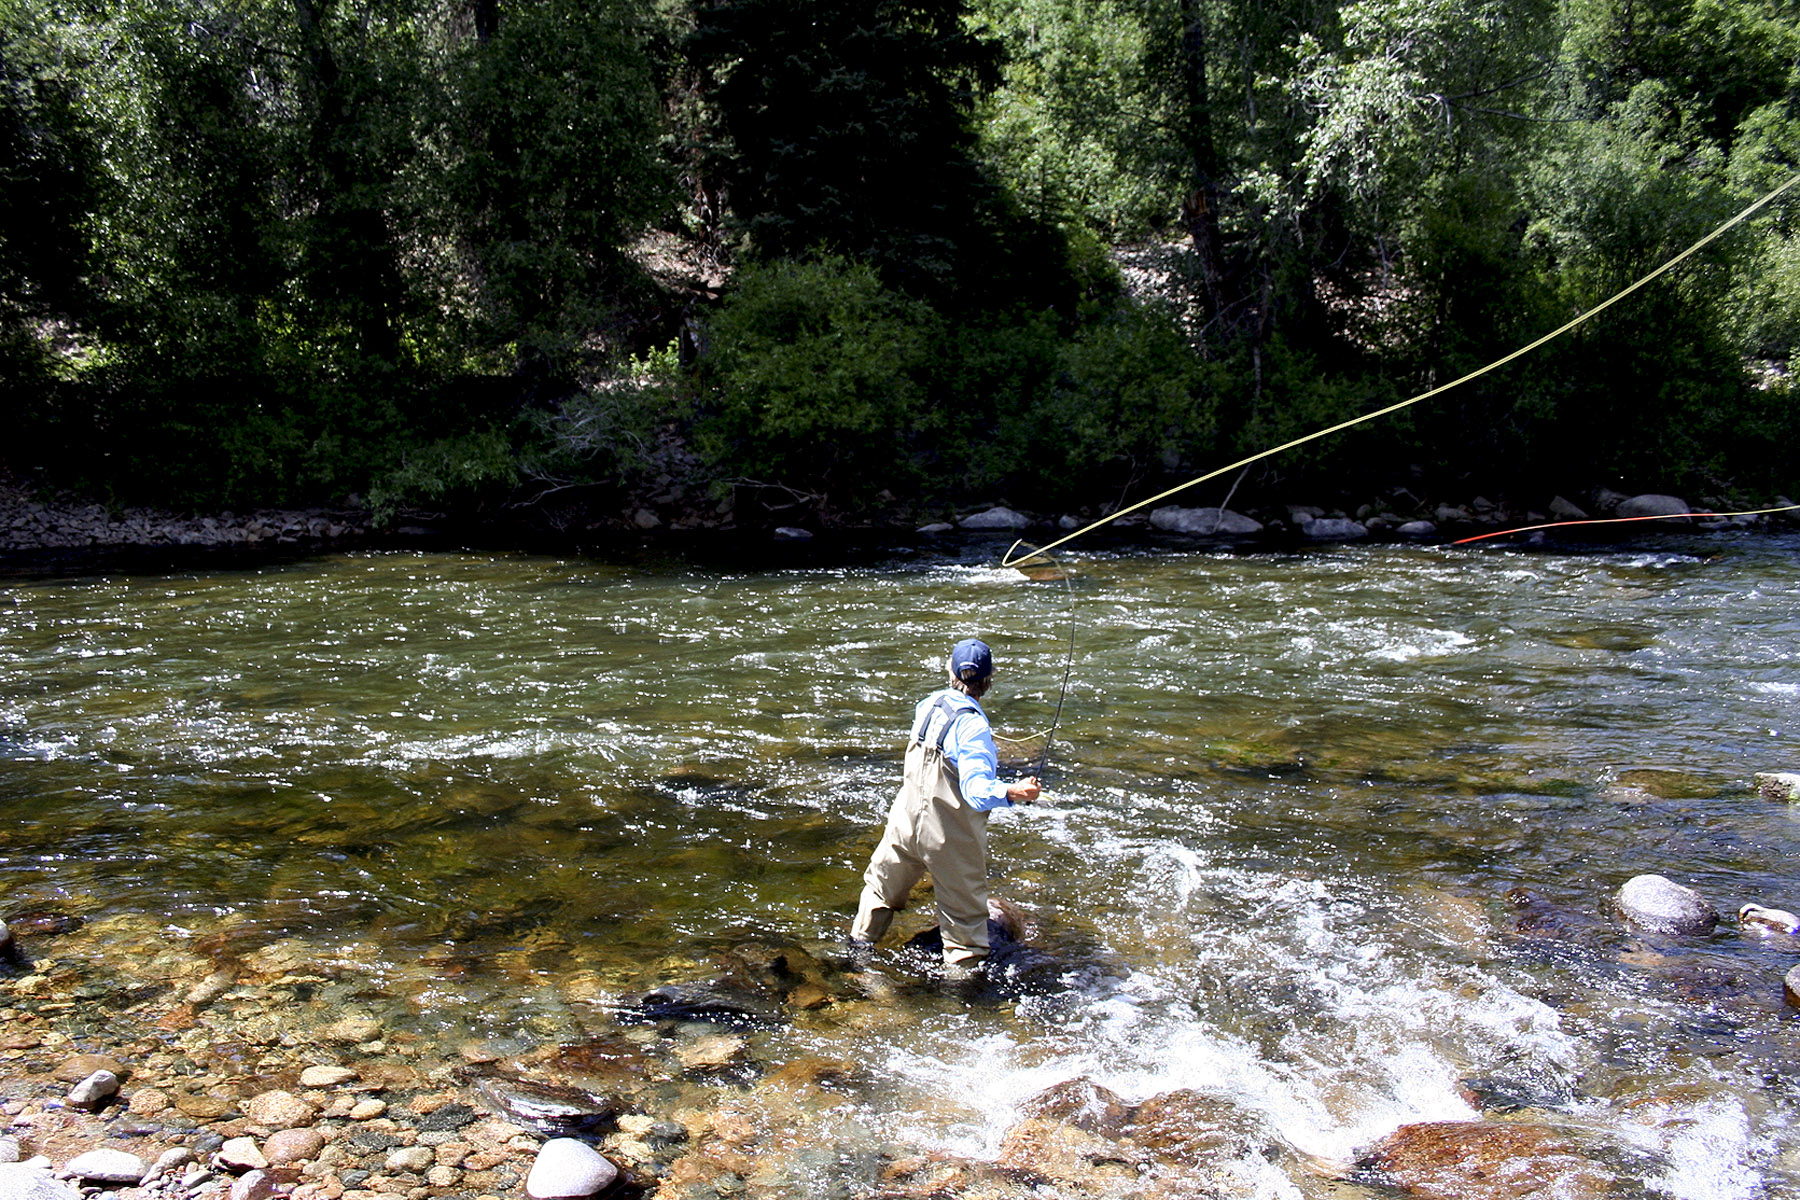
x,y
1665,268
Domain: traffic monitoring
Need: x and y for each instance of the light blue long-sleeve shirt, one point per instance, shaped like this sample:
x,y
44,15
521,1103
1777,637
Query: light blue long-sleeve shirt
x,y
970,746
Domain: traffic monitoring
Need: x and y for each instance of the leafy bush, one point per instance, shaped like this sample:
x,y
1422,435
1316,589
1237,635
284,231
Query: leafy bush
x,y
816,377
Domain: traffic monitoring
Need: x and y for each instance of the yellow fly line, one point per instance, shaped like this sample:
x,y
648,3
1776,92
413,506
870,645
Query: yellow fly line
x,y
1751,210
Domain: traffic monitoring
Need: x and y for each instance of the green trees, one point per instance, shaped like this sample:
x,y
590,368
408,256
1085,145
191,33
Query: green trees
x,y
303,235
258,250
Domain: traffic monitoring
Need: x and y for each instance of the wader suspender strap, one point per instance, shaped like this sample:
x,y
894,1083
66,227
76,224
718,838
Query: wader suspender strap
x,y
950,711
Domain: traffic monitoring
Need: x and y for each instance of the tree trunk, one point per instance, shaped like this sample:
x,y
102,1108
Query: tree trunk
x,y
1200,211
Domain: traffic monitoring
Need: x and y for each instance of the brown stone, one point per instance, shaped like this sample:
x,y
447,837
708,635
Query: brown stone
x,y
1066,1156
203,1108
1487,1160
74,1070
1790,986
280,1110
292,1146
1189,1127
808,997
149,1102
1083,1104
811,1071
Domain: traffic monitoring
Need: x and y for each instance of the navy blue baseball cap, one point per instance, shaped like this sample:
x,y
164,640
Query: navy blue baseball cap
x,y
971,661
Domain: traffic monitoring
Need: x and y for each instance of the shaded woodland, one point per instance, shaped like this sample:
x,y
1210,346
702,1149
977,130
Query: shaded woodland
x,y
477,253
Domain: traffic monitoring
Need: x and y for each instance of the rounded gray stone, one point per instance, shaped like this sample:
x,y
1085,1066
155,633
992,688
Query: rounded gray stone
x,y
106,1166
1653,505
1664,906
94,1090
566,1169
995,518
21,1181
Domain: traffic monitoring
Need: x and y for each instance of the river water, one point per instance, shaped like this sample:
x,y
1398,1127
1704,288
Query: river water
x,y
494,796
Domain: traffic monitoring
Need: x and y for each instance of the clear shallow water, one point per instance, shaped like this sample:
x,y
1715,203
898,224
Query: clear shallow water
x,y
498,793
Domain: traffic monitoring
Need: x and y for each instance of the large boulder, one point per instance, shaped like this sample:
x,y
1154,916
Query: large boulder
x,y
995,518
1203,521
1663,906
1653,505
1486,1160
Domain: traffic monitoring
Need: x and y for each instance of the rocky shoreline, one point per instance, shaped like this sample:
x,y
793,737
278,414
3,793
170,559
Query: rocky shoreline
x,y
206,1074
36,525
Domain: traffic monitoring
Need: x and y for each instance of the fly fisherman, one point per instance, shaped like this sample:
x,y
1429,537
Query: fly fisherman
x,y
938,821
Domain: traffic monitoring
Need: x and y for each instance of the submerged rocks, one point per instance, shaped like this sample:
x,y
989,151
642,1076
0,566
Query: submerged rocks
x,y
1486,1160
1082,1103
279,1110
1663,906
1778,785
566,1169
550,1109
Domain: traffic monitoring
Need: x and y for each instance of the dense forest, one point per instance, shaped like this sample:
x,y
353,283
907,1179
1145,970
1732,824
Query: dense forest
x,y
888,254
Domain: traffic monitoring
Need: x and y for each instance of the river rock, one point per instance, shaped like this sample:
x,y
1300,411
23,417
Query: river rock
x,y
325,1076
996,518
1188,1127
1334,529
9,1150
1790,986
1486,1160
169,1162
288,1146
566,1169
241,1154
549,1109
356,1027
1653,505
1768,920
713,1053
792,533
417,1159
106,1166
935,527
1778,785
280,1110
20,1181
6,940
1072,1161
253,1185
367,1110
78,1068
1663,906
1082,1103
1418,529
1564,510
95,1090
1203,521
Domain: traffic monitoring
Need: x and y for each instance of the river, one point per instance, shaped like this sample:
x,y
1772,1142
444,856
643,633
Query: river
x,y
492,797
